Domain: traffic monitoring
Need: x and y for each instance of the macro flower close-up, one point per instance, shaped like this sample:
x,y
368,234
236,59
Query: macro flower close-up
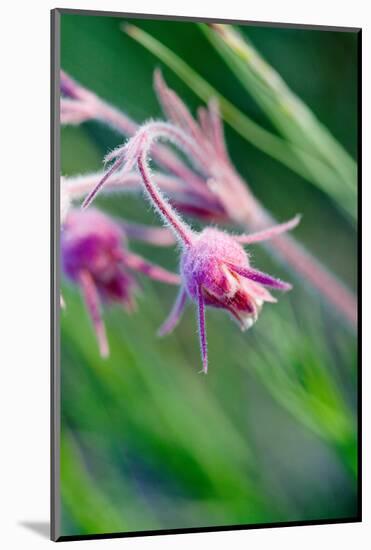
x,y
215,269
208,269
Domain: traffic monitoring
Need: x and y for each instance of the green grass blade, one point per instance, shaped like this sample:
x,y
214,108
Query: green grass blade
x,y
287,111
307,165
300,377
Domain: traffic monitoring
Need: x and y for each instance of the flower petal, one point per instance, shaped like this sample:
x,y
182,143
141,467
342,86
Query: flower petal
x,y
93,193
176,110
259,292
269,233
175,314
261,278
137,263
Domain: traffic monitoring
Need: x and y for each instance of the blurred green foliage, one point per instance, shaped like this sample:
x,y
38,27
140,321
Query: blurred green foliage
x,y
304,144
270,433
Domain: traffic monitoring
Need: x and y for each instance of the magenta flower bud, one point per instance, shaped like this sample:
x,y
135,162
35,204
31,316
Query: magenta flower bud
x,y
216,272
96,257
220,267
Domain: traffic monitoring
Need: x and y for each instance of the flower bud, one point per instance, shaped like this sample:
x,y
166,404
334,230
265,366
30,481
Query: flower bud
x,y
214,262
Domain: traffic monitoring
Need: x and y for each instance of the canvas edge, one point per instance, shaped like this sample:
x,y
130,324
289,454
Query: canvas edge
x,y
55,277
55,527
196,19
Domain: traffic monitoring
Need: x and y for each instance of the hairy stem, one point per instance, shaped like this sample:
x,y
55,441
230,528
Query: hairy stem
x,y
165,209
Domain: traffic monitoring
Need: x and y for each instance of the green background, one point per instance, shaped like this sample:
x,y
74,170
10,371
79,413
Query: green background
x,y
269,435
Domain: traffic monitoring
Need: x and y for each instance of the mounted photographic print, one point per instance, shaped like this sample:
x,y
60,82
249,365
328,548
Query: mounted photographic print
x,y
204,283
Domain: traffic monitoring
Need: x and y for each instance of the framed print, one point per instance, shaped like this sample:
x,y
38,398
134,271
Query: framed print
x,y
205,274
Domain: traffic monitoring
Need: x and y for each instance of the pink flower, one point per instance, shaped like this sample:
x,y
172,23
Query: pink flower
x,y
218,264
216,272
95,256
211,189
215,269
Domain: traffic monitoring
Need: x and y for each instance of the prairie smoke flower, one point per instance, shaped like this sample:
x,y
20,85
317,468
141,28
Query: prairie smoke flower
x,y
96,257
215,269
212,191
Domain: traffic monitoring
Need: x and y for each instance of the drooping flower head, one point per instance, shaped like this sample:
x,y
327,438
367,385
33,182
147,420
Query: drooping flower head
x,y
212,191
220,266
216,272
95,256
214,267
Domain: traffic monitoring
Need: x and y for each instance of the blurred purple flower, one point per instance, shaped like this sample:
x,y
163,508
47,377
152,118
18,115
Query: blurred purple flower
x,y
96,257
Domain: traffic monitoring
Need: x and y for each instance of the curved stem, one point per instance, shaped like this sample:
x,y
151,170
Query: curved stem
x,y
137,263
165,157
166,211
77,187
136,151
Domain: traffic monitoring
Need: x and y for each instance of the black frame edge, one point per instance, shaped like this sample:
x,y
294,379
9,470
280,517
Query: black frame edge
x,y
216,529
359,269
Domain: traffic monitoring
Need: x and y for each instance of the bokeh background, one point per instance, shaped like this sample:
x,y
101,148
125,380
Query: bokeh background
x,y
270,434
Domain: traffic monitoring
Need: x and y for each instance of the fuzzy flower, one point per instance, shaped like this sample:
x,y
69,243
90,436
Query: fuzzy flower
x,y
96,257
210,190
214,267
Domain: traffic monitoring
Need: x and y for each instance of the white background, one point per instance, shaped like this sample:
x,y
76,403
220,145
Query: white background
x,y
24,270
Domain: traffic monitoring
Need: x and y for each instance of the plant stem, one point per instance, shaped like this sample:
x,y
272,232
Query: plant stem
x,y
165,209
